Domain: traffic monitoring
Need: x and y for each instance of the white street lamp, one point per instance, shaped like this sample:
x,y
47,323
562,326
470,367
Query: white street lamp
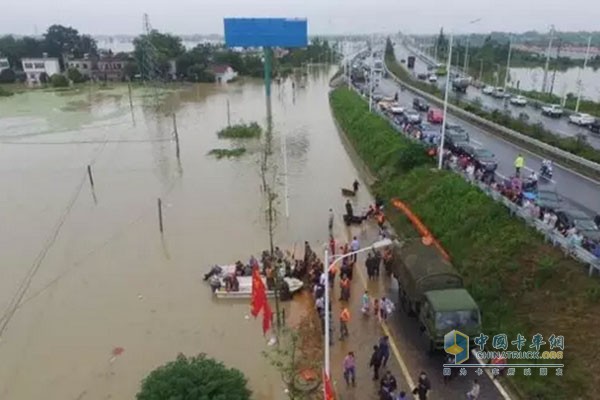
x,y
377,245
585,60
445,113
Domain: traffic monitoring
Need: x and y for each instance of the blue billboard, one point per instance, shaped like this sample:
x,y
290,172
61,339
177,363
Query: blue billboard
x,y
266,32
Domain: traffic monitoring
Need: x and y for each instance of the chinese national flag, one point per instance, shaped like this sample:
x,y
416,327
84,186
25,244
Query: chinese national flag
x,y
327,389
259,300
259,294
267,315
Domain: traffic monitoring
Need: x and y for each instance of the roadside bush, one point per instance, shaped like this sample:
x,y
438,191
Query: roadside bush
x,y
75,76
515,277
7,76
5,93
58,80
240,131
194,378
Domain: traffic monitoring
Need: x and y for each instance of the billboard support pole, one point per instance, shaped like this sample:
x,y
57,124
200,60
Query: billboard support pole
x,y
267,55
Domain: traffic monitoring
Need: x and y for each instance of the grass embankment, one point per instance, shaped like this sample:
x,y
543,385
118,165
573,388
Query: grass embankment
x,y
521,284
573,145
5,92
241,131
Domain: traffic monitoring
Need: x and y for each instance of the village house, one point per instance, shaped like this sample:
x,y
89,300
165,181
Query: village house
x,y
223,73
35,67
111,69
4,64
86,65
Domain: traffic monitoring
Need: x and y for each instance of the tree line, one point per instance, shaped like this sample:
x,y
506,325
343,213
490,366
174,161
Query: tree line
x,y
153,53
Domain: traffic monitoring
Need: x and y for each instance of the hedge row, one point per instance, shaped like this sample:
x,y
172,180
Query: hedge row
x,y
521,284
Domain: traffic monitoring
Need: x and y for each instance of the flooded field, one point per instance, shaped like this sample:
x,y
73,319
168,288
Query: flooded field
x,y
86,271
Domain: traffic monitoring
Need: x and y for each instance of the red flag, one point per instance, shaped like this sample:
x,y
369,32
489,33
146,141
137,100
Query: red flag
x,y
259,294
267,315
327,389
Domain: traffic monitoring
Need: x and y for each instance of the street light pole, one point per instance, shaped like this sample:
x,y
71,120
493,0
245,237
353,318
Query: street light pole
x,y
443,134
466,66
585,60
507,72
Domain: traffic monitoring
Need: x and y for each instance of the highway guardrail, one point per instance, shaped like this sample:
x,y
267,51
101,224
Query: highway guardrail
x,y
548,151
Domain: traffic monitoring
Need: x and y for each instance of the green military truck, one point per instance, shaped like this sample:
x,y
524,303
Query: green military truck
x,y
430,288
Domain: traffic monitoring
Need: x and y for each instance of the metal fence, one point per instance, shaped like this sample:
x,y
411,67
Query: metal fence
x,y
550,234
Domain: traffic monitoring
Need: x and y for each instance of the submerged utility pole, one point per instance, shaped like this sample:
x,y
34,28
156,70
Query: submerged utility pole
x,y
585,60
545,80
555,66
507,73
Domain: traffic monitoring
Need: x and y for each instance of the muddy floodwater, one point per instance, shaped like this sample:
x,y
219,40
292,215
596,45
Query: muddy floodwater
x,y
84,271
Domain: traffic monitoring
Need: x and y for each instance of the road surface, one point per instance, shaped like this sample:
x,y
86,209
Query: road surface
x,y
577,190
560,126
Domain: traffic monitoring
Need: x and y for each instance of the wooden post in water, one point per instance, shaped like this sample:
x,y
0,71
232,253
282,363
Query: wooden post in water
x,y
89,171
176,136
228,114
130,102
160,216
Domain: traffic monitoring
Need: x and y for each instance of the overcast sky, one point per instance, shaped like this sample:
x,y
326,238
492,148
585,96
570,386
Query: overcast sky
x,y
324,16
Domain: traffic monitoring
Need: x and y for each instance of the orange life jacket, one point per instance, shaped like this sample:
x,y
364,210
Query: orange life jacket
x,y
345,315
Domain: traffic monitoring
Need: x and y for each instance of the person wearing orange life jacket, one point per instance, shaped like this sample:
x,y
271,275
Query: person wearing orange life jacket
x,y
344,288
344,319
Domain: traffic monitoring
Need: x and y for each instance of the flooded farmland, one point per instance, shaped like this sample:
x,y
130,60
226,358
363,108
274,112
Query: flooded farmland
x,y
85,271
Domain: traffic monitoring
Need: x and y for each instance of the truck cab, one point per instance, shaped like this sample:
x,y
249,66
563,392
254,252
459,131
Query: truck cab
x,y
445,310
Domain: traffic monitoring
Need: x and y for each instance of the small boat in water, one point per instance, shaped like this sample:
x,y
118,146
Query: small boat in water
x,y
245,288
348,192
217,275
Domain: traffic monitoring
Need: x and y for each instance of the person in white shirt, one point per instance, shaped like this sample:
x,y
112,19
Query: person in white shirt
x,y
473,394
322,279
354,246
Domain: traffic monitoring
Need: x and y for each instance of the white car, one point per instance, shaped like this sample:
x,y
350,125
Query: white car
x,y
581,119
396,109
432,78
518,101
488,90
498,92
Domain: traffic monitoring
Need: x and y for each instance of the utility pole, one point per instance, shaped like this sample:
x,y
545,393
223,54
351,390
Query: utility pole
x,y
466,66
507,73
545,80
555,65
585,60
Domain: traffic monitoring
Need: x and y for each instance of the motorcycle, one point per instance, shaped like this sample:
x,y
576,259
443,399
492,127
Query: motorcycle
x,y
546,172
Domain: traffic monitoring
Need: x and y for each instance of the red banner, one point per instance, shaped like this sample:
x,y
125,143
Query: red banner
x,y
327,388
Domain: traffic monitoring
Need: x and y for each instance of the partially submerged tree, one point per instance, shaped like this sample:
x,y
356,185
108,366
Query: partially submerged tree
x,y
194,378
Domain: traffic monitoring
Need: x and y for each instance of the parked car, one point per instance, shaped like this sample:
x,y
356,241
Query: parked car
x,y
567,219
581,119
547,198
412,116
422,76
482,158
498,92
553,110
487,90
595,126
435,116
429,130
518,101
396,108
432,78
420,104
453,136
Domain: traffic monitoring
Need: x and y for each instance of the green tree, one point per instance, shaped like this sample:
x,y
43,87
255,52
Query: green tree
x,y
7,76
44,78
161,46
58,80
194,378
61,39
74,75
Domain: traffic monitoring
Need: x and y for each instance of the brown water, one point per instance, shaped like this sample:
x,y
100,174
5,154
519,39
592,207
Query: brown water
x,y
84,272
